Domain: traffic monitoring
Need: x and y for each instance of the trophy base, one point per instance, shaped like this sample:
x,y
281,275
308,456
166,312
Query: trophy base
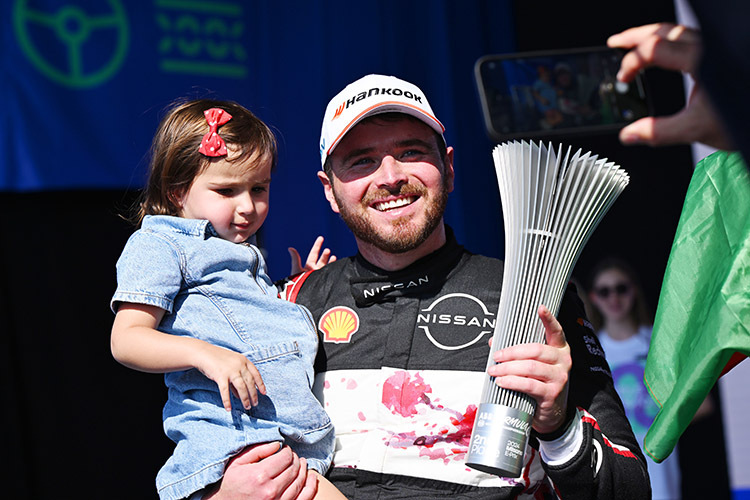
x,y
498,441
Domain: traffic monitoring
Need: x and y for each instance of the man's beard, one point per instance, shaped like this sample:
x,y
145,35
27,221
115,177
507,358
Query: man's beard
x,y
403,236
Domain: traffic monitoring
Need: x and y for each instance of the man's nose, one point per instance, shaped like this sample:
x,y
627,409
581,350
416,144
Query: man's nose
x,y
391,172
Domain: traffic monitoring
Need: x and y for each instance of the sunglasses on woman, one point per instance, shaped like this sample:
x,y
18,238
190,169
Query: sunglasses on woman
x,y
619,289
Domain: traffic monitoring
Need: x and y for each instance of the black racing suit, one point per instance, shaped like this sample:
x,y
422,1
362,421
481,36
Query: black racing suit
x,y
400,370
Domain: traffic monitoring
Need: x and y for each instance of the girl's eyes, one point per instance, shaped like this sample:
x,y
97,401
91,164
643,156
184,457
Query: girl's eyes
x,y
231,192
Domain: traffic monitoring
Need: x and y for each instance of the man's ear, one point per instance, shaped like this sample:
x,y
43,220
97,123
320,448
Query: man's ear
x,y
328,189
449,173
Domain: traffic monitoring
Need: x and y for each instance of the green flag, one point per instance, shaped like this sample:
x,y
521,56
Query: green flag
x,y
703,316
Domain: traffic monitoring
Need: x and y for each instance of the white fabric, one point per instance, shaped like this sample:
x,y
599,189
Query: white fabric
x,y
627,359
391,421
563,449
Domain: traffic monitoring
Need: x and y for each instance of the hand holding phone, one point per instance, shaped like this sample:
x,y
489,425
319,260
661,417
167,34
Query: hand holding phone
x,y
675,47
543,94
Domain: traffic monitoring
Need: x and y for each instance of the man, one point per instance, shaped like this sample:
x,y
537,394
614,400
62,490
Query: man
x,y
405,324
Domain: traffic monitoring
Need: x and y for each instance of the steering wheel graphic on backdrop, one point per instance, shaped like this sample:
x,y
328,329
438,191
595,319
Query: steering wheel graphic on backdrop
x,y
73,27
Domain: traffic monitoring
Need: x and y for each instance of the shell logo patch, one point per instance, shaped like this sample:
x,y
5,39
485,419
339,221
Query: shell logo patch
x,y
338,324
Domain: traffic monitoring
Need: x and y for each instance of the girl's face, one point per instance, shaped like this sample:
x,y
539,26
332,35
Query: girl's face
x,y
232,196
613,295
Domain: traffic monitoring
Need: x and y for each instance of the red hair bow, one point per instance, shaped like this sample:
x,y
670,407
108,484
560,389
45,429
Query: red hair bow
x,y
212,144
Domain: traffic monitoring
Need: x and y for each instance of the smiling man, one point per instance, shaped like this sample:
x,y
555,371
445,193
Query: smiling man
x,y
404,328
391,193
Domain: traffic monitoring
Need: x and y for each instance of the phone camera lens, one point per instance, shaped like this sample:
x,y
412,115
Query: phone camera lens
x,y
622,87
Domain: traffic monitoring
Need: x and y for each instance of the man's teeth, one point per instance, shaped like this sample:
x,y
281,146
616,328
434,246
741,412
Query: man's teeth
x,y
389,205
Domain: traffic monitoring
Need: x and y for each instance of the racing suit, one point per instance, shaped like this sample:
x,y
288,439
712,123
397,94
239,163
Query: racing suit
x,y
400,369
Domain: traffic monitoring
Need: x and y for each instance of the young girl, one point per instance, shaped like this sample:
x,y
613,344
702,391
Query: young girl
x,y
194,301
624,323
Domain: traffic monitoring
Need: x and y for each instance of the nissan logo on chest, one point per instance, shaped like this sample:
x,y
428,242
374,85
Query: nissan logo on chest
x,y
456,321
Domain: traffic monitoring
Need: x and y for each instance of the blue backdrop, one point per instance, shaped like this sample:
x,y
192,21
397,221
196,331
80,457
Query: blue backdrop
x,y
85,81
83,86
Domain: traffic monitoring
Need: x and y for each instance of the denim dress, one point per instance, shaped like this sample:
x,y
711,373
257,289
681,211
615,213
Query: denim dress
x,y
219,292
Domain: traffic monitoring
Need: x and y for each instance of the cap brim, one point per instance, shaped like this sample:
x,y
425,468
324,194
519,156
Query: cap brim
x,y
389,107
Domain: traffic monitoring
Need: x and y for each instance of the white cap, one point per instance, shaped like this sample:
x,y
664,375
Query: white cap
x,y
368,96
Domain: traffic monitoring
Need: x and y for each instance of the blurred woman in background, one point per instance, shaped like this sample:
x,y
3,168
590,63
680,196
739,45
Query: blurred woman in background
x,y
623,323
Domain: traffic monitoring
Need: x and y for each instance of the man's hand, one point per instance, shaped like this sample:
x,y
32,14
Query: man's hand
x,y
315,258
678,48
260,473
539,370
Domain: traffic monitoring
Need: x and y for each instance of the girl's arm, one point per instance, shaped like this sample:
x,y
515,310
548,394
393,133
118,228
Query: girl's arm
x,y
137,344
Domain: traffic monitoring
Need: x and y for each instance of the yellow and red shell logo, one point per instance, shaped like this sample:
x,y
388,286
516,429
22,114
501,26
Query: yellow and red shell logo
x,y
338,324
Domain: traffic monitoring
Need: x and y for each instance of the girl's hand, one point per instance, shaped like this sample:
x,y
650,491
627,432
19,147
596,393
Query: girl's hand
x,y
233,372
137,344
315,259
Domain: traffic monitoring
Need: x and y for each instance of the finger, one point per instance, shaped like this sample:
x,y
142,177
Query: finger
x,y
669,31
304,484
276,465
296,260
297,487
257,379
528,368
310,488
658,51
530,351
324,258
633,36
542,381
535,388
652,131
312,256
698,122
226,399
288,481
553,330
287,467
256,453
332,259
660,131
245,391
547,368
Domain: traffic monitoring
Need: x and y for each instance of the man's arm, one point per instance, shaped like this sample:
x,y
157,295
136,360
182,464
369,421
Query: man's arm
x,y
587,445
608,463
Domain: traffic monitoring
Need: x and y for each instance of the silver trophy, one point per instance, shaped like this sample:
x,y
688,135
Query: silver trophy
x,y
551,205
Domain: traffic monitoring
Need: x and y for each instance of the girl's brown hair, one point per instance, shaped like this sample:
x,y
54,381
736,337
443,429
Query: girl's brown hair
x,y
175,160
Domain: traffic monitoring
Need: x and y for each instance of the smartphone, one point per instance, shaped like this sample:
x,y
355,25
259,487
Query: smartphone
x,y
532,95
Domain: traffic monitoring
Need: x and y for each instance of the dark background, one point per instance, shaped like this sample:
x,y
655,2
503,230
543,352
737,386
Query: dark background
x,y
76,423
